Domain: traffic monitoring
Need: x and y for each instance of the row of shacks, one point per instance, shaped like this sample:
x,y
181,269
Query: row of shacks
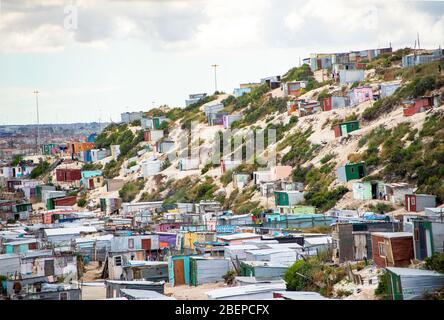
x,y
43,261
198,243
394,246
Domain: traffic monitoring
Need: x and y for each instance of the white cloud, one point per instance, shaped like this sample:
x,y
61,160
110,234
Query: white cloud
x,y
36,26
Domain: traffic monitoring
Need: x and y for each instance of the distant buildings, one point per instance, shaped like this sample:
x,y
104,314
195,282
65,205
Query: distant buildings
x,y
195,98
129,117
422,57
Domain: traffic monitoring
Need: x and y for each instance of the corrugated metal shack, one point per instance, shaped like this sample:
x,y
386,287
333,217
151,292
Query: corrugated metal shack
x,y
113,287
9,264
251,292
145,270
207,269
411,284
94,248
280,256
134,294
263,269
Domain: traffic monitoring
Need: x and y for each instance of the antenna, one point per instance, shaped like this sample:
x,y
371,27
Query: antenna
x,y
419,45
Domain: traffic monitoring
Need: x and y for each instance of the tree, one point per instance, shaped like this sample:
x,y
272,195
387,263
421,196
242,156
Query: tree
x,y
299,276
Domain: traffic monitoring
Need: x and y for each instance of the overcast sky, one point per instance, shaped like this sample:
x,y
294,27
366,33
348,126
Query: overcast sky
x,y
94,59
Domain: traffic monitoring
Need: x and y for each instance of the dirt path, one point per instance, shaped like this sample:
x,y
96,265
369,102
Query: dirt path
x,y
191,293
92,272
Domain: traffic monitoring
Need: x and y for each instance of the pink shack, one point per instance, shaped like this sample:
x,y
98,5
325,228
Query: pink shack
x,y
281,172
361,94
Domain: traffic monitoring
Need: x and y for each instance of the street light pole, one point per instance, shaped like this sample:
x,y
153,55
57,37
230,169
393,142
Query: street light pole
x,y
36,92
215,76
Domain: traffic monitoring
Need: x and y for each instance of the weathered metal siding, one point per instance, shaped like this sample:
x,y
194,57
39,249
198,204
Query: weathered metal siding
x,y
209,270
414,287
9,264
121,244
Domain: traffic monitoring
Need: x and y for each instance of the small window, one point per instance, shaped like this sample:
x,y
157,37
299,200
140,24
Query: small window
x,y
130,243
381,249
118,261
98,179
412,200
63,296
416,234
352,169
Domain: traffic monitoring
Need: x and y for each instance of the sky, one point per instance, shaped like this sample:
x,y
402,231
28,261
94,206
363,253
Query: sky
x,y
94,59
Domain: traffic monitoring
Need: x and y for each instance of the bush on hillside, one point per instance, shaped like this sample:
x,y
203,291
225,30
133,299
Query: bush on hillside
x,y
131,189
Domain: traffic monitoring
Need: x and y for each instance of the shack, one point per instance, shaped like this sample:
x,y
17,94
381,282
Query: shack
x,y
412,284
351,171
392,249
263,269
207,269
344,128
418,202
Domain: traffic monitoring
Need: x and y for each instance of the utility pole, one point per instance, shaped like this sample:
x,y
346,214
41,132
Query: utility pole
x,y
215,76
36,92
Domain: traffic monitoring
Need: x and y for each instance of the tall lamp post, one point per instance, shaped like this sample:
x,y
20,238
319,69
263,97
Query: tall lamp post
x,y
36,92
215,76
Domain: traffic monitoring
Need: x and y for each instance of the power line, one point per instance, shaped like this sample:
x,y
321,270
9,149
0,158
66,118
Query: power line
x,y
36,92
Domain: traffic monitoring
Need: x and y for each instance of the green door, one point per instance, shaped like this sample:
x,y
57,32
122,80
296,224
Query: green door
x,y
395,288
193,268
156,122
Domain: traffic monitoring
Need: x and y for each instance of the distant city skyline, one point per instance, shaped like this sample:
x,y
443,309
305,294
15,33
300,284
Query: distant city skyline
x,y
94,60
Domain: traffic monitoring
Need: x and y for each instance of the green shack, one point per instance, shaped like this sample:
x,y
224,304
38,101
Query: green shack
x,y
368,190
344,128
351,171
288,198
47,148
412,284
262,269
40,188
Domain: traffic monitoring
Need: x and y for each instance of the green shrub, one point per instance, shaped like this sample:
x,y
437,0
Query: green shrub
x,y
166,164
206,168
92,166
299,277
343,293
131,189
82,202
383,105
328,157
382,290
112,169
435,262
41,169
227,177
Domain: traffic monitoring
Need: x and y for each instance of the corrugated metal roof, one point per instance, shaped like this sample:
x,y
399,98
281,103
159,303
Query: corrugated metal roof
x,y
268,251
239,236
244,290
318,240
140,263
9,256
145,294
19,242
67,231
414,272
393,234
138,282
